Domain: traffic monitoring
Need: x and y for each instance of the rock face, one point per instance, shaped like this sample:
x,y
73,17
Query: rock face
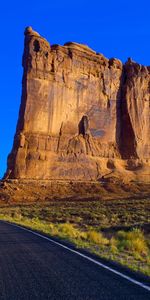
x,y
81,115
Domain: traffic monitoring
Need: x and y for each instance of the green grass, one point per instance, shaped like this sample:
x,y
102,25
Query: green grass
x,y
98,226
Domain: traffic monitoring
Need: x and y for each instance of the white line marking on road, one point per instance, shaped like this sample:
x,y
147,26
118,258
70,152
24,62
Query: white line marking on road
x,y
146,287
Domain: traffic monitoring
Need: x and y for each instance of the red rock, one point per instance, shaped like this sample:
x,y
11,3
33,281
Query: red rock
x,y
78,112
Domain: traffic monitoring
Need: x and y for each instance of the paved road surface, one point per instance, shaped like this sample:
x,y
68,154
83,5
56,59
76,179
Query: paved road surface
x,y
34,268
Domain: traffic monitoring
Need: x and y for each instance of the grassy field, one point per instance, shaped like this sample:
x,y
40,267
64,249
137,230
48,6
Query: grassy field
x,y
118,230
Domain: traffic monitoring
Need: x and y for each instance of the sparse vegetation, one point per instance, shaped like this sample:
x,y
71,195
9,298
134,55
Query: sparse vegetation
x,y
96,238
132,241
115,229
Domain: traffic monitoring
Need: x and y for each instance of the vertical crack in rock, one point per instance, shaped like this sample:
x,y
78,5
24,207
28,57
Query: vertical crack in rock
x,y
36,48
60,134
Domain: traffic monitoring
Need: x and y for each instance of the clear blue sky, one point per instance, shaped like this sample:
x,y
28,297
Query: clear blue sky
x,y
118,29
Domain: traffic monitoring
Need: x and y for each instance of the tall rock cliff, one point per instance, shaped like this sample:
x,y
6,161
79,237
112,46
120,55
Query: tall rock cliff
x,y
81,115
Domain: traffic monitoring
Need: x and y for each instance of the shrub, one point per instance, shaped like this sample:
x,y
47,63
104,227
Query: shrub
x,y
133,241
96,238
53,230
68,230
113,245
16,215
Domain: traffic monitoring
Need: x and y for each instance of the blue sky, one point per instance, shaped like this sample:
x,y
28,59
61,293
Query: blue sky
x,y
118,29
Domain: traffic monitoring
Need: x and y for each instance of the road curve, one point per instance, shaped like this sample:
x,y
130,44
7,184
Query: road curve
x,y
34,268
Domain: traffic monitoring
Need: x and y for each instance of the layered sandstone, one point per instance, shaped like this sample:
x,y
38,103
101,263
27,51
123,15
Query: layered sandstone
x,y
81,115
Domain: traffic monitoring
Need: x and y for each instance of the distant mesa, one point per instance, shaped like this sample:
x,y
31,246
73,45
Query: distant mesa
x,y
79,112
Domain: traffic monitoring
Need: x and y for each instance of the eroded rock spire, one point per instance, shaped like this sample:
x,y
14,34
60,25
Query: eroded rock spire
x,y
79,110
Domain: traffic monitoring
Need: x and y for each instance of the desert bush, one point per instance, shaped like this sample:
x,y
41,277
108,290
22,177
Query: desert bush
x,y
68,230
133,241
16,215
53,230
96,237
113,245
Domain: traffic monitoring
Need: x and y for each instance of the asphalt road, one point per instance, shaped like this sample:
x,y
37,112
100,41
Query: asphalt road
x,y
35,268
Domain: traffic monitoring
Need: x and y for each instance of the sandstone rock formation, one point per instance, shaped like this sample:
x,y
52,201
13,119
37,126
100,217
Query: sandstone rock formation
x,y
82,116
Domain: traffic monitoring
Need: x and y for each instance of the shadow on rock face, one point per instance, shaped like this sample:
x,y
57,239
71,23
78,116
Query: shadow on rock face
x,y
84,125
